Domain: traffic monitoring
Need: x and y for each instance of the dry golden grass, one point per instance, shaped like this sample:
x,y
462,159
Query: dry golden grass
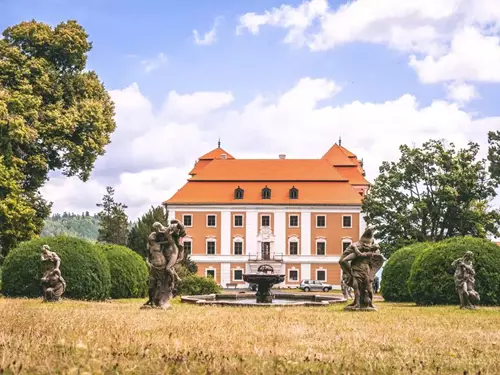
x,y
118,338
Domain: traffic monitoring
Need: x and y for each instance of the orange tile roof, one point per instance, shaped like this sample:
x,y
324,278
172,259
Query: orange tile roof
x,y
268,170
337,157
198,166
216,154
347,152
353,174
204,192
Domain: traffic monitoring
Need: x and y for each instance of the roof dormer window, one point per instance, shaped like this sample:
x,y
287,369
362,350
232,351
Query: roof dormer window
x,y
266,193
238,193
294,193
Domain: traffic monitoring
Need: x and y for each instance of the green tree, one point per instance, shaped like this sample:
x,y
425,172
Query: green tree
x,y
432,193
494,153
54,115
113,221
138,236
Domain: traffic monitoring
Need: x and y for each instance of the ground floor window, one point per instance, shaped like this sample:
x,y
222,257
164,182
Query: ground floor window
x,y
293,275
210,273
238,275
321,275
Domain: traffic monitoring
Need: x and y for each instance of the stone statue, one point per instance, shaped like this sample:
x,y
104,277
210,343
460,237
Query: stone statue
x,y
360,262
53,285
165,249
346,289
376,284
465,280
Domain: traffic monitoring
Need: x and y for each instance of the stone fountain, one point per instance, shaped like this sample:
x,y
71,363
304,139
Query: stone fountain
x,y
265,278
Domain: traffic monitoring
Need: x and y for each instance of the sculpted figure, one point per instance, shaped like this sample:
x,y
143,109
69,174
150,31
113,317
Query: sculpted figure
x,y
164,251
53,285
465,280
346,290
360,262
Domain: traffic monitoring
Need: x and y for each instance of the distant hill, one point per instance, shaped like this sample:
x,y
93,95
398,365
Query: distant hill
x,y
82,226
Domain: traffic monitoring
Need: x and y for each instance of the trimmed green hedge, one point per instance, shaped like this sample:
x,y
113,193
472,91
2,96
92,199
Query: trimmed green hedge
x,y
129,272
196,285
394,285
431,280
84,268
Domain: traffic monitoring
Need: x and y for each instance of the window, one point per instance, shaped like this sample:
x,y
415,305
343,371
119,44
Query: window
x,y
238,248
320,248
238,221
265,220
293,275
294,193
266,193
321,275
294,248
210,247
187,220
238,275
211,221
210,273
321,221
347,221
293,221
345,245
187,247
238,193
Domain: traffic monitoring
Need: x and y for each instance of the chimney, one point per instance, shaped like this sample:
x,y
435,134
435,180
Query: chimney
x,y
282,156
223,156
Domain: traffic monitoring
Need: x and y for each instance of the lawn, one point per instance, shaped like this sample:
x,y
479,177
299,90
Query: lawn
x,y
116,337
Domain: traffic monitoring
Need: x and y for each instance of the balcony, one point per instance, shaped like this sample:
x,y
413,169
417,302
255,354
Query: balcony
x,y
266,257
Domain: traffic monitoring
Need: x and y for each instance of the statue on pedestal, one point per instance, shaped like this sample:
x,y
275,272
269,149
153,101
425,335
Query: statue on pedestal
x,y
465,281
53,285
165,250
360,262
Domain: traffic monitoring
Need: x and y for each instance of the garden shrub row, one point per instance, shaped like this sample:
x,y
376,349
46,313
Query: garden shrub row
x,y
423,272
91,271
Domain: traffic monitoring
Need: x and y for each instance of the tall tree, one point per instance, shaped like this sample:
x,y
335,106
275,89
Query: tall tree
x,y
54,115
431,193
494,153
113,221
138,236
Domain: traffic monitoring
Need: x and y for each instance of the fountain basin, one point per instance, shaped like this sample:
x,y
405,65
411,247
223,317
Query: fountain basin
x,y
249,300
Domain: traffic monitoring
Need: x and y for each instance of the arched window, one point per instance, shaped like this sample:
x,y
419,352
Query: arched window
x,y
238,193
266,193
294,193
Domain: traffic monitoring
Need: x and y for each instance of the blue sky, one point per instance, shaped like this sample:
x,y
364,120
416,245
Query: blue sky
x,y
343,71
126,32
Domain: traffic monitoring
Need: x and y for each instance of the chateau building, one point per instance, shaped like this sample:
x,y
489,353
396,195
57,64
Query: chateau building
x,y
295,214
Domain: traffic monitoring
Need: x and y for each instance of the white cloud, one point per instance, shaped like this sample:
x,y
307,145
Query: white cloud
x,y
461,92
152,153
154,63
472,56
210,37
454,39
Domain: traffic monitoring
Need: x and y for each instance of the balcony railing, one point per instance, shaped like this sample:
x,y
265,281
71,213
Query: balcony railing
x,y
262,257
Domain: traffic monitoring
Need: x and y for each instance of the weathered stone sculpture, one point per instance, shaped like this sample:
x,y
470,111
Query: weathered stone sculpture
x,y
360,262
465,281
346,290
53,285
164,251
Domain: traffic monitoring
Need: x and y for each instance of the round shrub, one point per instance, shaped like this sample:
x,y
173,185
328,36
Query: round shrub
x,y
84,268
129,272
195,285
431,279
394,285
